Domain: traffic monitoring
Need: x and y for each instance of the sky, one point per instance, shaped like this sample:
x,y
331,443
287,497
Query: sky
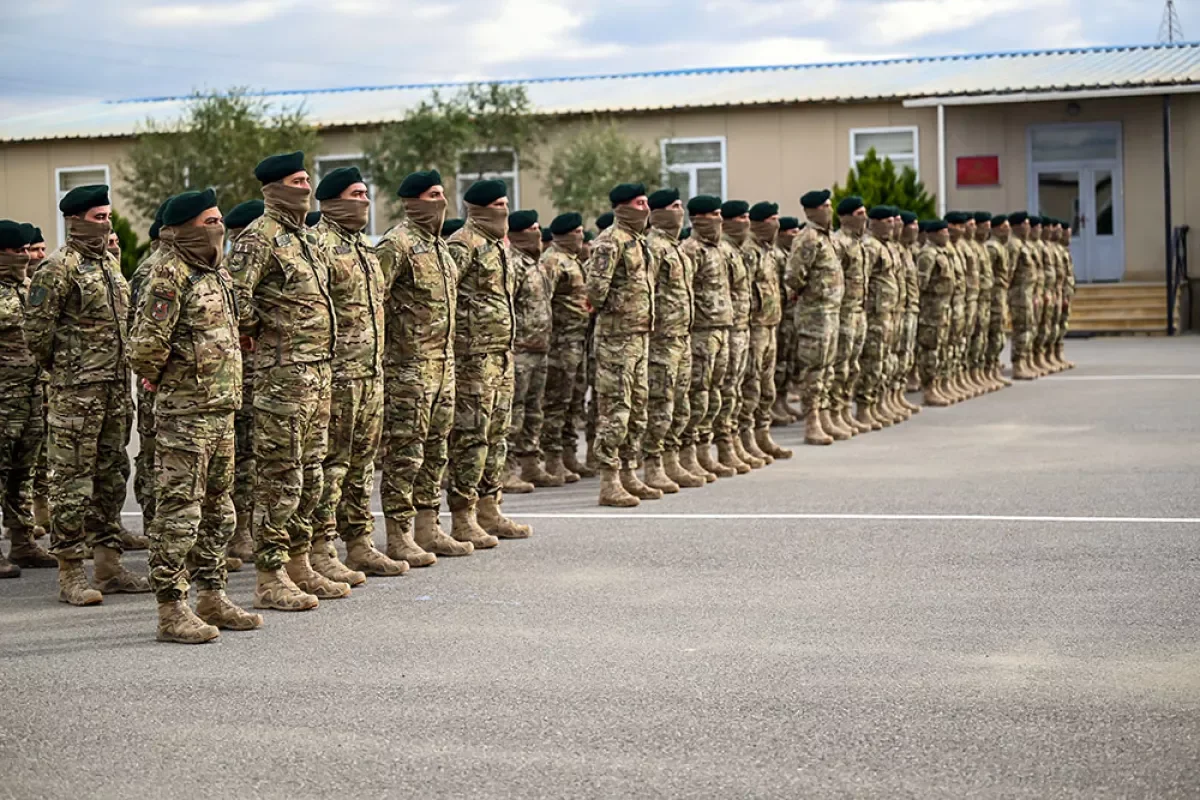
x,y
62,52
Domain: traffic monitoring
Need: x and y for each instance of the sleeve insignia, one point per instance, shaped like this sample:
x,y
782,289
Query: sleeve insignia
x,y
164,292
342,250
160,309
283,240
37,295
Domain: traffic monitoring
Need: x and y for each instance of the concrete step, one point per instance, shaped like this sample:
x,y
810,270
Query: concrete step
x,y
1119,308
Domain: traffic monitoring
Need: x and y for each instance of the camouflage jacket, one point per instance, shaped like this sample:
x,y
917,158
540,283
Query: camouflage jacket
x,y
883,279
739,267
485,320
19,372
998,256
1049,266
970,265
138,279
620,286
77,318
853,259
283,293
535,290
185,337
710,285
1068,264
421,283
766,301
937,277
674,302
814,273
983,262
356,289
1022,268
569,304
912,283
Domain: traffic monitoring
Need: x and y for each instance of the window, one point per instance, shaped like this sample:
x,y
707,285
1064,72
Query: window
x,y
695,166
898,144
327,164
68,178
495,164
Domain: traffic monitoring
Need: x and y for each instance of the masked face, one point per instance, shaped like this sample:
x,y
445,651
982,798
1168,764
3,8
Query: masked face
x,y
290,202
351,214
90,238
492,220
821,216
706,228
199,244
669,220
632,217
426,214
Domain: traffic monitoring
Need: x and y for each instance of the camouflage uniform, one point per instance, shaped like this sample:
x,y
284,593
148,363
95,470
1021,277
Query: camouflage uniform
x,y
912,312
356,401
970,260
936,271
485,327
852,320
285,306
421,281
621,289
954,353
535,288
143,476
565,380
76,328
998,257
1047,323
815,275
1022,296
725,427
883,301
1068,293
785,333
766,310
185,341
670,361
710,337
245,469
22,428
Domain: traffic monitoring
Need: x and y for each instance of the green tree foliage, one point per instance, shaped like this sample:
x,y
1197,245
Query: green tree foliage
x,y
876,181
593,160
469,133
217,142
131,251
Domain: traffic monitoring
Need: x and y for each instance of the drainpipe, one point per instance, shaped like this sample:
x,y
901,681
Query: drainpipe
x,y
1166,125
941,147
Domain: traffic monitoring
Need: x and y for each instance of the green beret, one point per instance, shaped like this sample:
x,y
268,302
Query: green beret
x,y
882,212
81,198
957,217
923,226
605,220
451,225
907,217
848,205
243,214
935,225
789,223
998,219
547,236
11,235
983,216
704,204
27,230
521,220
336,182
763,211
37,237
484,193
417,183
186,206
1017,217
565,223
734,208
685,233
1035,220
815,199
588,236
663,198
312,218
624,192
277,167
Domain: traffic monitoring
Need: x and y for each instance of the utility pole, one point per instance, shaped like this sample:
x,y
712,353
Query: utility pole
x,y
1170,30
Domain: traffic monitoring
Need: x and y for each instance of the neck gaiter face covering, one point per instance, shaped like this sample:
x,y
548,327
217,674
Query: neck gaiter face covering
x,y
765,231
571,242
350,214
90,238
492,221
428,215
882,230
290,202
13,266
736,229
199,244
667,220
631,219
528,241
708,229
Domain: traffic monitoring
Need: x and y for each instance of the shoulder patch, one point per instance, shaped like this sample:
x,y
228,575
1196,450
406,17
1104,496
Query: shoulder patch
x,y
159,309
342,250
283,240
37,295
164,292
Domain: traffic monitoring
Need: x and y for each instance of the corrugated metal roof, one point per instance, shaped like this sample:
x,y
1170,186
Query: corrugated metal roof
x,y
937,76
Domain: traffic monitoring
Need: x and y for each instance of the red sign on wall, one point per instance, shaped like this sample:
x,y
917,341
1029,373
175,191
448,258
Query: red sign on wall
x,y
978,170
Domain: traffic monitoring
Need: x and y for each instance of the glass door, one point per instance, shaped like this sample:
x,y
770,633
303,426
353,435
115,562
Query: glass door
x,y
1059,195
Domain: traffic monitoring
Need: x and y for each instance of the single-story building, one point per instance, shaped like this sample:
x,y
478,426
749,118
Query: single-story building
x,y
1074,133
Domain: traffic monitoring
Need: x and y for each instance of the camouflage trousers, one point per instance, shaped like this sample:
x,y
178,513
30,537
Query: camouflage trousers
x,y
970,321
906,351
726,423
1021,305
143,462
21,437
418,418
785,350
194,519
291,426
877,355
622,389
710,360
933,330
41,470
482,411
566,385
348,471
758,385
668,380
847,366
529,394
981,333
954,345
1064,317
245,467
816,347
996,335
89,467
1048,324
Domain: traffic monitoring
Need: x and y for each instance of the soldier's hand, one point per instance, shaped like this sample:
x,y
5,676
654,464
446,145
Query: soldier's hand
x,y
247,344
148,386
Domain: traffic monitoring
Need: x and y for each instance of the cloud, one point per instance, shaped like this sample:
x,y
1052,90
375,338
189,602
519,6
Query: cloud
x,y
526,29
247,12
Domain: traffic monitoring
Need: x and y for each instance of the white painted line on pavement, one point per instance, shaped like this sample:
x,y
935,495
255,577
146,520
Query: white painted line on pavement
x,y
1149,377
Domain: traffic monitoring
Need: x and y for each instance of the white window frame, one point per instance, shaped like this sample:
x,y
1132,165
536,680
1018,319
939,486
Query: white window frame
x,y
916,138
357,157
59,194
514,202
691,166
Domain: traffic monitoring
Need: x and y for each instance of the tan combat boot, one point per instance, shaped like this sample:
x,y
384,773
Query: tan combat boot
x,y
73,586
688,462
912,407
590,460
401,548
796,411
177,623
325,561
896,402
430,537
512,480
532,472
556,467
704,458
299,569
779,414
491,517
770,446
214,607
612,493
633,484
131,541
656,476
998,374
750,445
571,462
838,433
932,397
276,590
1060,352
111,577
1021,370
362,556
27,553
739,450
848,421
678,474
813,432
465,527
241,545
728,458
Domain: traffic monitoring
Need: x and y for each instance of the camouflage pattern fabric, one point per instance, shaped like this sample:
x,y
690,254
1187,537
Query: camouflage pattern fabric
x,y
852,320
566,381
710,360
244,467
998,256
1068,293
534,299
143,475
22,429
736,264
418,418
933,327
966,252
785,333
758,387
907,346
482,414
983,316
883,297
954,351
621,398
485,318
669,367
814,276
529,392
1022,296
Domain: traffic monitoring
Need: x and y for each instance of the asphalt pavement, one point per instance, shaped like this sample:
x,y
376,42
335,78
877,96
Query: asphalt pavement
x,y
998,599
